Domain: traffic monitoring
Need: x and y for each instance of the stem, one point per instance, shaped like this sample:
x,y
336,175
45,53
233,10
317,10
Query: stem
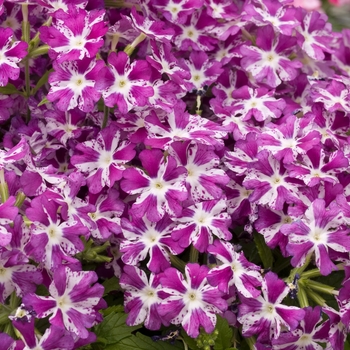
x,y
20,198
177,262
302,297
193,254
130,48
299,270
39,51
199,102
114,42
26,38
250,341
121,4
320,287
183,341
105,116
4,189
316,298
316,272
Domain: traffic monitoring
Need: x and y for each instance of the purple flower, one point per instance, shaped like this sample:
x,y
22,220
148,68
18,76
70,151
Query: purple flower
x,y
74,35
204,175
182,126
141,298
268,62
143,238
152,29
123,84
16,274
11,53
318,232
310,332
72,84
258,103
74,295
103,158
54,337
234,270
191,301
161,190
200,222
52,240
314,34
272,12
265,315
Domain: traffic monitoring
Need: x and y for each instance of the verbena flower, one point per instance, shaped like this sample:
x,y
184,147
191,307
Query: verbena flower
x,y
74,295
191,301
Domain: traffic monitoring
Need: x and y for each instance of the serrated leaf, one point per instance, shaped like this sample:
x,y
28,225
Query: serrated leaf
x,y
142,342
264,251
111,285
113,328
224,339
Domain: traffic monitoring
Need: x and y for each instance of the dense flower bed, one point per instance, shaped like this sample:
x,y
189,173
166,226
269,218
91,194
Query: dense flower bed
x,y
179,168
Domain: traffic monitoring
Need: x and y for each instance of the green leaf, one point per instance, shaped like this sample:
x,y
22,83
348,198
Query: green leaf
x,y
191,342
141,342
9,89
111,285
264,251
224,339
113,328
43,101
42,81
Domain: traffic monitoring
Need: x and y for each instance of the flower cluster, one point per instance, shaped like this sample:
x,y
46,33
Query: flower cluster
x,y
192,157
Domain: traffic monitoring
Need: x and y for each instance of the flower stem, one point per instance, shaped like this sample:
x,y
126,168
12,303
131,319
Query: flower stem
x,y
193,254
183,341
316,298
26,38
299,270
105,116
177,262
131,47
250,341
302,297
4,189
316,272
320,287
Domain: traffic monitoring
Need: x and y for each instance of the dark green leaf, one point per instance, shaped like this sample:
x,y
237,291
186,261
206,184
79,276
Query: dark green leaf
x,y
141,342
113,328
111,285
224,339
9,89
42,81
264,251
191,343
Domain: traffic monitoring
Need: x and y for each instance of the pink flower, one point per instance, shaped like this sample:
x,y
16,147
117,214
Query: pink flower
x,y
160,186
143,238
141,298
74,35
320,232
72,84
11,53
191,301
268,61
103,158
309,5
200,222
74,297
265,315
123,84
